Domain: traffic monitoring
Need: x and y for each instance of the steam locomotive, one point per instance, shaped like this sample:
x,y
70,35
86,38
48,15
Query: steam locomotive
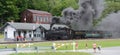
x,y
59,34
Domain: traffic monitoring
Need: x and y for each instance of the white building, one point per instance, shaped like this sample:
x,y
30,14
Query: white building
x,y
26,30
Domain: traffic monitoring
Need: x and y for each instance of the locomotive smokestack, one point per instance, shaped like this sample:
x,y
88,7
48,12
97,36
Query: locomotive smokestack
x,y
55,20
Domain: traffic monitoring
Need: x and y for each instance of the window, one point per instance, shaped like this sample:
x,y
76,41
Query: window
x,y
5,34
40,18
30,35
34,18
14,34
37,19
46,19
49,19
34,35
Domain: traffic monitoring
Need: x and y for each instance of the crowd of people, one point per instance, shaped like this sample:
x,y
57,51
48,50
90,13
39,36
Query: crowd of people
x,y
20,38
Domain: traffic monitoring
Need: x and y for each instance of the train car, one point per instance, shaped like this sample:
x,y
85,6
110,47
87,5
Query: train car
x,y
83,34
94,34
79,34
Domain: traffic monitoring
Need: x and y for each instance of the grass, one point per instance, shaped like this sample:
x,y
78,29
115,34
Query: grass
x,y
54,53
68,44
102,42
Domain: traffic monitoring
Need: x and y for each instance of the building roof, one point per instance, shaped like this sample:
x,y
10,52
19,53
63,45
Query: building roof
x,y
31,26
23,26
37,11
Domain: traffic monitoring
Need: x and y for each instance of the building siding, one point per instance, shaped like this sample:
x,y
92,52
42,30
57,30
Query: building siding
x,y
42,18
10,32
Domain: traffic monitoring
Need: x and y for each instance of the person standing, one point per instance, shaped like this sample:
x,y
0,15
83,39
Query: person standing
x,y
76,45
86,45
94,47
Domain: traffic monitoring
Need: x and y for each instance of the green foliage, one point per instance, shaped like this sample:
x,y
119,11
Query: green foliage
x,y
62,5
110,7
8,10
40,5
54,6
11,9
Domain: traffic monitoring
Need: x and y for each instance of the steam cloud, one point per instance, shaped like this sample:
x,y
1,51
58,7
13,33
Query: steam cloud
x,y
112,24
82,18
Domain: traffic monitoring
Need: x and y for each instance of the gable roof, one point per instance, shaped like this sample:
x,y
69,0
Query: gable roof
x,y
31,26
22,26
37,11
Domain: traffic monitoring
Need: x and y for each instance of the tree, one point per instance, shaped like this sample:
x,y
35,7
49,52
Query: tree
x,y
8,10
54,6
11,9
110,7
62,4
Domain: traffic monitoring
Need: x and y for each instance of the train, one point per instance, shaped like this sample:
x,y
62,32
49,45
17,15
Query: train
x,y
67,34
